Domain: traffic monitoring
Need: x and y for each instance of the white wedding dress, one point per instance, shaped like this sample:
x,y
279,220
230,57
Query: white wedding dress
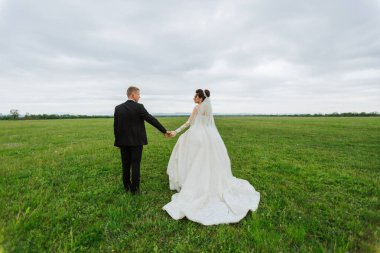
x,y
200,170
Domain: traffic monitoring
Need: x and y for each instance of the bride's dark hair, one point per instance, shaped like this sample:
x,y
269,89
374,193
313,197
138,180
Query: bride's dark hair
x,y
202,94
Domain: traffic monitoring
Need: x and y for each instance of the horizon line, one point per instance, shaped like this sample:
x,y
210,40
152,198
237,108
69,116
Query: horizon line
x,y
215,114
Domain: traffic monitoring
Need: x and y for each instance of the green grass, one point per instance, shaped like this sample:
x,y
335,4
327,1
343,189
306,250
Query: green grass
x,y
319,179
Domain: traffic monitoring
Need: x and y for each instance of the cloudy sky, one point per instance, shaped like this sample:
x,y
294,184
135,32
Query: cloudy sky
x,y
257,56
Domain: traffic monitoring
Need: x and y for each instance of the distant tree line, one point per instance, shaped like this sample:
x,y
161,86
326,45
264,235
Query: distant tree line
x,y
334,114
15,114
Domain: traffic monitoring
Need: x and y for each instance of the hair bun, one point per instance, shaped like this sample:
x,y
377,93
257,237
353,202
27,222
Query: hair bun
x,y
207,93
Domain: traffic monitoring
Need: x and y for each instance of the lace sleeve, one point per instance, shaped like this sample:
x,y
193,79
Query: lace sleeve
x,y
188,122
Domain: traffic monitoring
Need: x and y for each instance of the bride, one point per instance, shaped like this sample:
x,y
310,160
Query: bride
x,y
199,170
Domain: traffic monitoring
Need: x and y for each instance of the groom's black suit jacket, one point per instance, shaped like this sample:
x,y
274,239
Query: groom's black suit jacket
x,y
129,127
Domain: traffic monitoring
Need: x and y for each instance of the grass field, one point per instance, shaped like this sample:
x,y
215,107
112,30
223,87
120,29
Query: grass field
x,y
319,179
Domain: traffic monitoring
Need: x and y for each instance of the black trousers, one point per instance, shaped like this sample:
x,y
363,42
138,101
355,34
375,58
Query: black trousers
x,y
131,158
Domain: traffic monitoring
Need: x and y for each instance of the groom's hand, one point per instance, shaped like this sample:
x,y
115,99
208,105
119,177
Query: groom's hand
x,y
170,134
167,134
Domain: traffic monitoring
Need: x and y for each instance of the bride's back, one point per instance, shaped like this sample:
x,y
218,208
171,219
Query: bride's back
x,y
204,116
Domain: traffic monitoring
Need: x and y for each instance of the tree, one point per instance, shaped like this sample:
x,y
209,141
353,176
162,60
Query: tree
x,y
15,113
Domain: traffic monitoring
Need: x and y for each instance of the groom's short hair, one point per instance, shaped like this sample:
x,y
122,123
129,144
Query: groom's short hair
x,y
132,89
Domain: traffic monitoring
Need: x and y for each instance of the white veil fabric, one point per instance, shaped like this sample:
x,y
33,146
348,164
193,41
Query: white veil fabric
x,y
199,169
205,116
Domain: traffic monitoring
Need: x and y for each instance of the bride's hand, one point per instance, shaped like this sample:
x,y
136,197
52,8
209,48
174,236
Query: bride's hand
x,y
173,133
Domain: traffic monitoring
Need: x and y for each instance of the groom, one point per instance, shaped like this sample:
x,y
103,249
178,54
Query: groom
x,y
130,136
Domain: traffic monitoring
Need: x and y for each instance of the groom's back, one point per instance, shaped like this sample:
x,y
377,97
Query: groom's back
x,y
129,127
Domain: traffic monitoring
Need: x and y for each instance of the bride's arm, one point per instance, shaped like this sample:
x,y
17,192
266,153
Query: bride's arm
x,y
187,123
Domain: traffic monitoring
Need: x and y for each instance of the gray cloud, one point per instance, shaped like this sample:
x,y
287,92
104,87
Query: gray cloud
x,y
255,56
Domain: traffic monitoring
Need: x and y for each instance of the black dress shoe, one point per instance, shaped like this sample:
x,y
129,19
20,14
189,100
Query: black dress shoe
x,y
136,192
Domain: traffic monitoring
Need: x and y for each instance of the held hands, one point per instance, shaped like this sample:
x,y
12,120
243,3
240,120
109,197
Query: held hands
x,y
170,134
